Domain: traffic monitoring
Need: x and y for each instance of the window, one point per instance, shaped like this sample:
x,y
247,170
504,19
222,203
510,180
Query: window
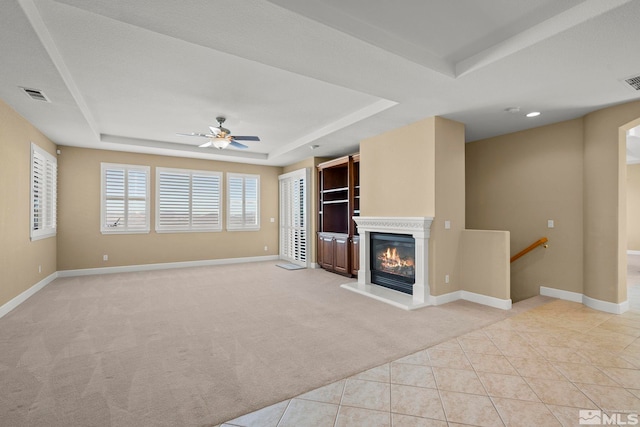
x,y
243,202
188,200
44,177
125,199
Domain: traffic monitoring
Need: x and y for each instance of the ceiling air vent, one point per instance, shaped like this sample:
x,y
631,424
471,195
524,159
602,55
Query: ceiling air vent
x,y
35,94
634,82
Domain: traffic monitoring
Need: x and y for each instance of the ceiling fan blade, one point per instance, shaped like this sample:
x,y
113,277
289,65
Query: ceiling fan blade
x,y
194,134
206,144
237,144
246,138
214,130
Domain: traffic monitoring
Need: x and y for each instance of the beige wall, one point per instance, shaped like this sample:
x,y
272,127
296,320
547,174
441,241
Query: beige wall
x,y
573,172
449,206
633,207
81,245
484,263
517,182
312,188
397,172
418,170
19,256
605,201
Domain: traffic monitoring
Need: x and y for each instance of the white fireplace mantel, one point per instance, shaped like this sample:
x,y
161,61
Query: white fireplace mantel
x,y
420,229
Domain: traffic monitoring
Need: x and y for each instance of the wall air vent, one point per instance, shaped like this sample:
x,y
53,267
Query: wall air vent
x,y
634,82
35,94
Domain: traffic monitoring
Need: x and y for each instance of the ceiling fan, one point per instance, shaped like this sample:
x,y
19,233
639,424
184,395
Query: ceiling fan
x,y
220,137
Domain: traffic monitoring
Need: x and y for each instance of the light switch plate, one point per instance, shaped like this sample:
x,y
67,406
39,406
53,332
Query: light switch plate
x,y
550,223
447,225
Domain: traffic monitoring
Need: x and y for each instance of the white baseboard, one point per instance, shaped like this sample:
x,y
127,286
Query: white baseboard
x,y
607,307
445,298
630,252
163,266
472,297
596,304
13,303
560,294
503,304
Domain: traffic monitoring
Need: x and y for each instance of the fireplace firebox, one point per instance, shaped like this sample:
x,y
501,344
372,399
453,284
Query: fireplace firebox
x,y
393,261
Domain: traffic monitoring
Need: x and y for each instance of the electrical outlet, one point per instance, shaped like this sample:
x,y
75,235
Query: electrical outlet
x,y
447,225
446,278
105,257
266,248
39,269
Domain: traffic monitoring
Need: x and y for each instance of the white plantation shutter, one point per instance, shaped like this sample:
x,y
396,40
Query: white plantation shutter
x,y
44,177
51,195
299,220
243,202
188,200
138,198
293,216
125,199
206,201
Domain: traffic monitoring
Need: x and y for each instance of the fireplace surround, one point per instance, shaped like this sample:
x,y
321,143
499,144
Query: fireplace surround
x,y
418,228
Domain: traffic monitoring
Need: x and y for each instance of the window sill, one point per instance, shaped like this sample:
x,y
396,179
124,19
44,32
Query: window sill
x,y
125,232
43,236
218,230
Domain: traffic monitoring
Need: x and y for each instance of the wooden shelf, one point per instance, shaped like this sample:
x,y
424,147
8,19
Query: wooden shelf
x,y
335,190
338,202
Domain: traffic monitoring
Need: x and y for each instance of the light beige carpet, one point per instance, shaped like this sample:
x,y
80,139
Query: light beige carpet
x,y
198,346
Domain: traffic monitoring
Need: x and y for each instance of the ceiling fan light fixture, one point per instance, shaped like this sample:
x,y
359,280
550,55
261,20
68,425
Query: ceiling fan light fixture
x,y
220,143
221,138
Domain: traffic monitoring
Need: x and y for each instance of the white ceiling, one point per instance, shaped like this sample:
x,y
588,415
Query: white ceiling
x,y
130,74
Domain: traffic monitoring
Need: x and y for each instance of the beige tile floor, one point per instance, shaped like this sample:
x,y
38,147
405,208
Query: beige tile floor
x,y
539,368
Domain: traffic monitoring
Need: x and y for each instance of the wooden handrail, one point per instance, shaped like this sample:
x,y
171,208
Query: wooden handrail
x,y
530,248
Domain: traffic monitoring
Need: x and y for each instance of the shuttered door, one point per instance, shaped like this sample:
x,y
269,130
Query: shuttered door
x,y
293,217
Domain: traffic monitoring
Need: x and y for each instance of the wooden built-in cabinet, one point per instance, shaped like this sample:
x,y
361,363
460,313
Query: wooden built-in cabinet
x,y
355,255
339,202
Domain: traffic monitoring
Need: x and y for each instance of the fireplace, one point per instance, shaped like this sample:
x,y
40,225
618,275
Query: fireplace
x,y
393,261
411,282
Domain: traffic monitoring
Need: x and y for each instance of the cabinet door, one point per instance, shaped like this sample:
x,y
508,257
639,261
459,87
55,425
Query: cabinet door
x,y
325,249
355,255
341,255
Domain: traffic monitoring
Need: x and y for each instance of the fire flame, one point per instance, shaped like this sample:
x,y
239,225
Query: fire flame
x,y
390,259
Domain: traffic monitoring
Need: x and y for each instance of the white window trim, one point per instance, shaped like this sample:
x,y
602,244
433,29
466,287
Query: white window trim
x,y
244,176
126,167
50,230
190,228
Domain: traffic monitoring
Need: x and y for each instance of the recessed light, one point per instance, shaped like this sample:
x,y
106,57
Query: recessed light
x,y
313,147
533,114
